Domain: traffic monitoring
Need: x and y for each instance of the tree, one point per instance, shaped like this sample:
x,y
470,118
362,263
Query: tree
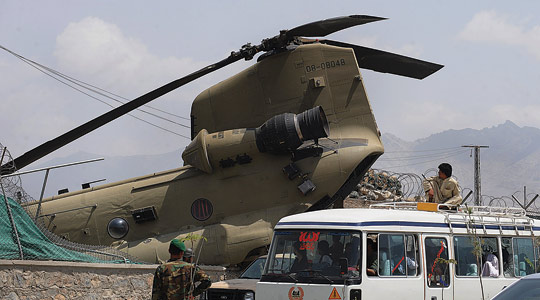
x,y
477,243
192,237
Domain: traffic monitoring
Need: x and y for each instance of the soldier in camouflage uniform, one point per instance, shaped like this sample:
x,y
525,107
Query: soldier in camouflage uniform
x,y
172,280
443,188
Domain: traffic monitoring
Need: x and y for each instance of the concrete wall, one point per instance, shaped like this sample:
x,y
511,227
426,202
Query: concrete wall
x,y
69,280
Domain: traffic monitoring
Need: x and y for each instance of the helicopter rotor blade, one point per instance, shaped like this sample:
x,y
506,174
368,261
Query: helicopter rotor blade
x,y
387,62
68,137
328,26
367,58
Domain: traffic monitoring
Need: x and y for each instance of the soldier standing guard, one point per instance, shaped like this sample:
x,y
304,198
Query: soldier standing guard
x,y
443,188
172,280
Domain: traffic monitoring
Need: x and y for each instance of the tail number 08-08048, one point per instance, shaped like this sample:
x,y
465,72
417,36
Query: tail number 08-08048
x,y
326,65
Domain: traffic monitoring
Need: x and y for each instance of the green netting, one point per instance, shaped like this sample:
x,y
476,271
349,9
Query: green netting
x,y
35,244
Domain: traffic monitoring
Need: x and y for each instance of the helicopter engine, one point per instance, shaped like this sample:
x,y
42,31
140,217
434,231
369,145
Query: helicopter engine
x,y
280,134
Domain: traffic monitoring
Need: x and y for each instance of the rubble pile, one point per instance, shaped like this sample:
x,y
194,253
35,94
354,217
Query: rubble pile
x,y
384,186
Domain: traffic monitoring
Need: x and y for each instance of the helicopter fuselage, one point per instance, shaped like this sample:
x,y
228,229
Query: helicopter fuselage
x,y
231,192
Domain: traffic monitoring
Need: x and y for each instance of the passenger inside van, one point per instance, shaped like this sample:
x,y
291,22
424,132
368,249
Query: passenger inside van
x,y
352,252
323,250
491,266
336,250
347,253
490,259
372,258
398,267
472,270
301,261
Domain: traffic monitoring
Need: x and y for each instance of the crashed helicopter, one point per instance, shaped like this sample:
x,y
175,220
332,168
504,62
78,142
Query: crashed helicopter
x,y
291,133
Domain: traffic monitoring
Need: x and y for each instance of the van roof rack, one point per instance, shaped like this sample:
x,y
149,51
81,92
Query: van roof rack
x,y
483,216
448,208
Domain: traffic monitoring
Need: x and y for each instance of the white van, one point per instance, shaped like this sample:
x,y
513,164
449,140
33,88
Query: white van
x,y
400,251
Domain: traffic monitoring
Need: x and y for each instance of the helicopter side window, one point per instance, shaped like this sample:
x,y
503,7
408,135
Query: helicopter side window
x,y
118,228
202,209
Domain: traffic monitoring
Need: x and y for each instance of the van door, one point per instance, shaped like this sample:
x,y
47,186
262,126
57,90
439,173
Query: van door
x,y
438,269
392,267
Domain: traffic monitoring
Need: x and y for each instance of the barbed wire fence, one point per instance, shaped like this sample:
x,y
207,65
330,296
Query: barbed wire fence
x,y
20,242
384,185
26,237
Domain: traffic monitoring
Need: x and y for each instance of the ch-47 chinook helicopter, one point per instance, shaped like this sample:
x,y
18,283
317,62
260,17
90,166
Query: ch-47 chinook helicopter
x,y
293,132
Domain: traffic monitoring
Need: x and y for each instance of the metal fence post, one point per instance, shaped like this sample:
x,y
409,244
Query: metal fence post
x,y
21,256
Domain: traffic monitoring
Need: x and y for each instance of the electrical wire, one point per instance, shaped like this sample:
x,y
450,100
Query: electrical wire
x,y
422,162
416,157
101,92
115,95
430,150
96,90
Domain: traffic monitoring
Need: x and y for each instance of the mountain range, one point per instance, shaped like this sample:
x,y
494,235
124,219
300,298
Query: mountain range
x,y
511,162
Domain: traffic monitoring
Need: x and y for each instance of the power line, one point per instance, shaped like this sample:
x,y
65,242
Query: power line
x,y
95,89
113,94
422,162
430,150
416,157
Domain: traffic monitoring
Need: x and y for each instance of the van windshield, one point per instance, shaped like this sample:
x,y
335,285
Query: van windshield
x,y
314,256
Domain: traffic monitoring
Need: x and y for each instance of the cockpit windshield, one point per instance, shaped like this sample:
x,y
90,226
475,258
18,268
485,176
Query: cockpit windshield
x,y
314,256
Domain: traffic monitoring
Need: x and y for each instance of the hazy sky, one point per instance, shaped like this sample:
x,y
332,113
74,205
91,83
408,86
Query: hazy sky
x,y
490,49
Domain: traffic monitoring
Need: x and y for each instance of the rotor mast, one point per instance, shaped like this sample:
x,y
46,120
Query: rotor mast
x,y
368,58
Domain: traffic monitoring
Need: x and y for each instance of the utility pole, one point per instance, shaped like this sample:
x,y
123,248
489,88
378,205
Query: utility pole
x,y
477,185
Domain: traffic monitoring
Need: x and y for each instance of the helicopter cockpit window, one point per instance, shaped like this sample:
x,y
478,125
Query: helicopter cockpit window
x,y
202,209
117,228
314,256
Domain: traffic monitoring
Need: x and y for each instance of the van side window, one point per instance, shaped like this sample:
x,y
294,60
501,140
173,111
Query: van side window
x,y
372,259
413,256
507,257
524,260
398,255
490,257
467,265
519,256
437,265
537,251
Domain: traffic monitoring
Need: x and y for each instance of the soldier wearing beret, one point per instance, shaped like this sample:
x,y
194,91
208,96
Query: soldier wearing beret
x,y
175,279
443,188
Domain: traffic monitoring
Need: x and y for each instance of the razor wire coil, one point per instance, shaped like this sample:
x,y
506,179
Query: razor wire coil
x,y
385,185
37,242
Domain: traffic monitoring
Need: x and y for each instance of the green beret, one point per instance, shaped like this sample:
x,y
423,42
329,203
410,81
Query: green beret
x,y
178,244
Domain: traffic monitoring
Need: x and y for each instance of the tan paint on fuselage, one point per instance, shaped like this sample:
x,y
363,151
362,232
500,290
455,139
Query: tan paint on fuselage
x,y
247,199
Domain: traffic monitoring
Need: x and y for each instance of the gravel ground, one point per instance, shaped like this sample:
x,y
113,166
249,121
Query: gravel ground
x,y
357,203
